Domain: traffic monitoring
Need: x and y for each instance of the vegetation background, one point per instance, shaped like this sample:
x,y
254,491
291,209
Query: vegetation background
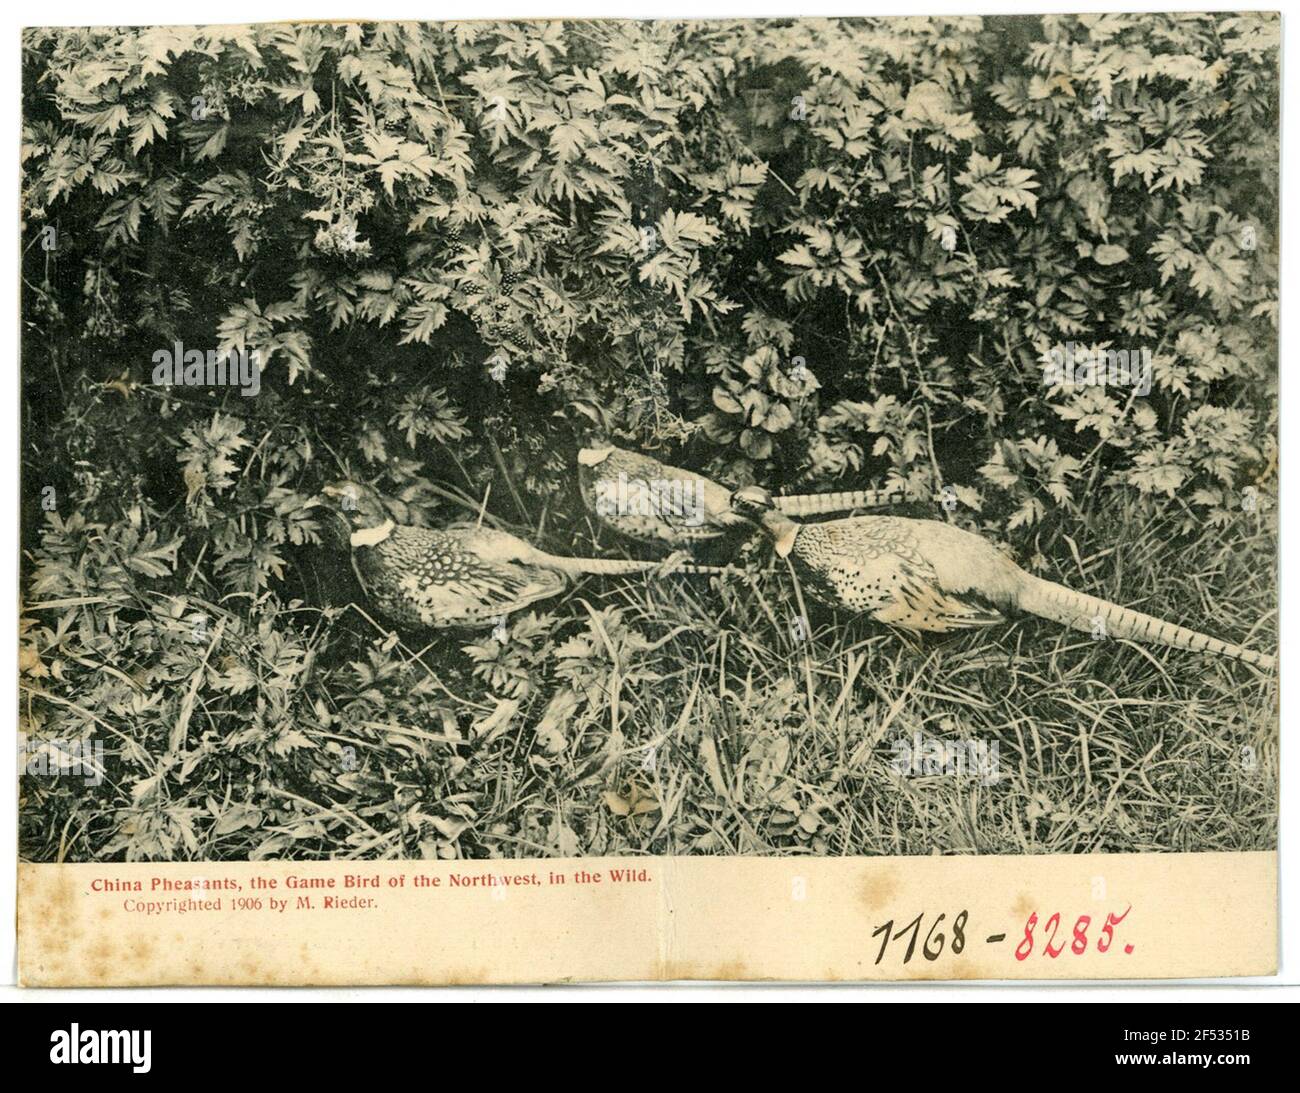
x,y
812,254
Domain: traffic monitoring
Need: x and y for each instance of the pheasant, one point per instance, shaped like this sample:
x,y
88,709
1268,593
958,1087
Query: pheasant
x,y
925,575
638,497
460,576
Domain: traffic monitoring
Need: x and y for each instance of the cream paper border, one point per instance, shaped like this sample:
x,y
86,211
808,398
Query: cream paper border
x,y
804,919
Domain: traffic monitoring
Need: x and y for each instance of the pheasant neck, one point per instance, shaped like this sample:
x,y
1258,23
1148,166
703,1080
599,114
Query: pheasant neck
x,y
371,536
591,456
783,531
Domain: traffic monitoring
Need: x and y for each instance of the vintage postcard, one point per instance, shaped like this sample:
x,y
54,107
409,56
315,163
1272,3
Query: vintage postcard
x,y
516,502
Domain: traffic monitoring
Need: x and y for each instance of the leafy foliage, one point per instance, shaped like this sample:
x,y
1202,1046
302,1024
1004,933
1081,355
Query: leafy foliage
x,y
821,254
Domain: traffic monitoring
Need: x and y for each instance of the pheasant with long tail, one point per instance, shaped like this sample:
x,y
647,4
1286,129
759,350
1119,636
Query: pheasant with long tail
x,y
928,576
639,497
464,576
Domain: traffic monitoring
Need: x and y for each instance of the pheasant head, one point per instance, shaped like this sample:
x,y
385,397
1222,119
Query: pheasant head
x,y
594,428
361,510
756,505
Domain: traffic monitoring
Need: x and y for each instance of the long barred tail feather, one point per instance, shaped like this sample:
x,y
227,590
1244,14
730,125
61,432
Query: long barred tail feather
x,y
576,567
817,504
1082,612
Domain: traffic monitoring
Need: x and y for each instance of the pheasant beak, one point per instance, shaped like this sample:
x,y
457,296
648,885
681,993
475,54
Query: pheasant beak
x,y
324,499
341,499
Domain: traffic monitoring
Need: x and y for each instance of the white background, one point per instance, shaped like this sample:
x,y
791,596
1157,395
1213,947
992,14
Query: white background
x,y
82,12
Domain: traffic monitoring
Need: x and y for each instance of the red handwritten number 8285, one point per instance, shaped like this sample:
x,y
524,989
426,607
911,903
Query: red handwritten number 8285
x,y
1080,943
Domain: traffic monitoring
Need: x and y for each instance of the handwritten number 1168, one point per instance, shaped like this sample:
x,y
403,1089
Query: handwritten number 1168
x,y
934,939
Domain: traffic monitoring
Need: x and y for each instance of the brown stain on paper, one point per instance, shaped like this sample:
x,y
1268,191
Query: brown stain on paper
x,y
47,911
878,887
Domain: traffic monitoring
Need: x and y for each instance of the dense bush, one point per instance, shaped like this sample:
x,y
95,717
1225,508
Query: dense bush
x,y
816,254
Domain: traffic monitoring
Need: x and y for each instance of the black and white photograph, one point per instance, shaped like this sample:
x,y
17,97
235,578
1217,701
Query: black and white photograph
x,y
523,441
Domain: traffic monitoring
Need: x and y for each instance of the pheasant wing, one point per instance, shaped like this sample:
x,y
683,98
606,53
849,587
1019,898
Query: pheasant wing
x,y
428,578
878,569
477,593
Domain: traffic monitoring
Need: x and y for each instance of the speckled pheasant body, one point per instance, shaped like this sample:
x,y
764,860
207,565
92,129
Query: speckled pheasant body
x,y
641,498
889,567
928,576
421,577
462,576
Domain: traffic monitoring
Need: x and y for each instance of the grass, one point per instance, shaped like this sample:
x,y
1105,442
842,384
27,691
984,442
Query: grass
x,y
765,741
788,745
